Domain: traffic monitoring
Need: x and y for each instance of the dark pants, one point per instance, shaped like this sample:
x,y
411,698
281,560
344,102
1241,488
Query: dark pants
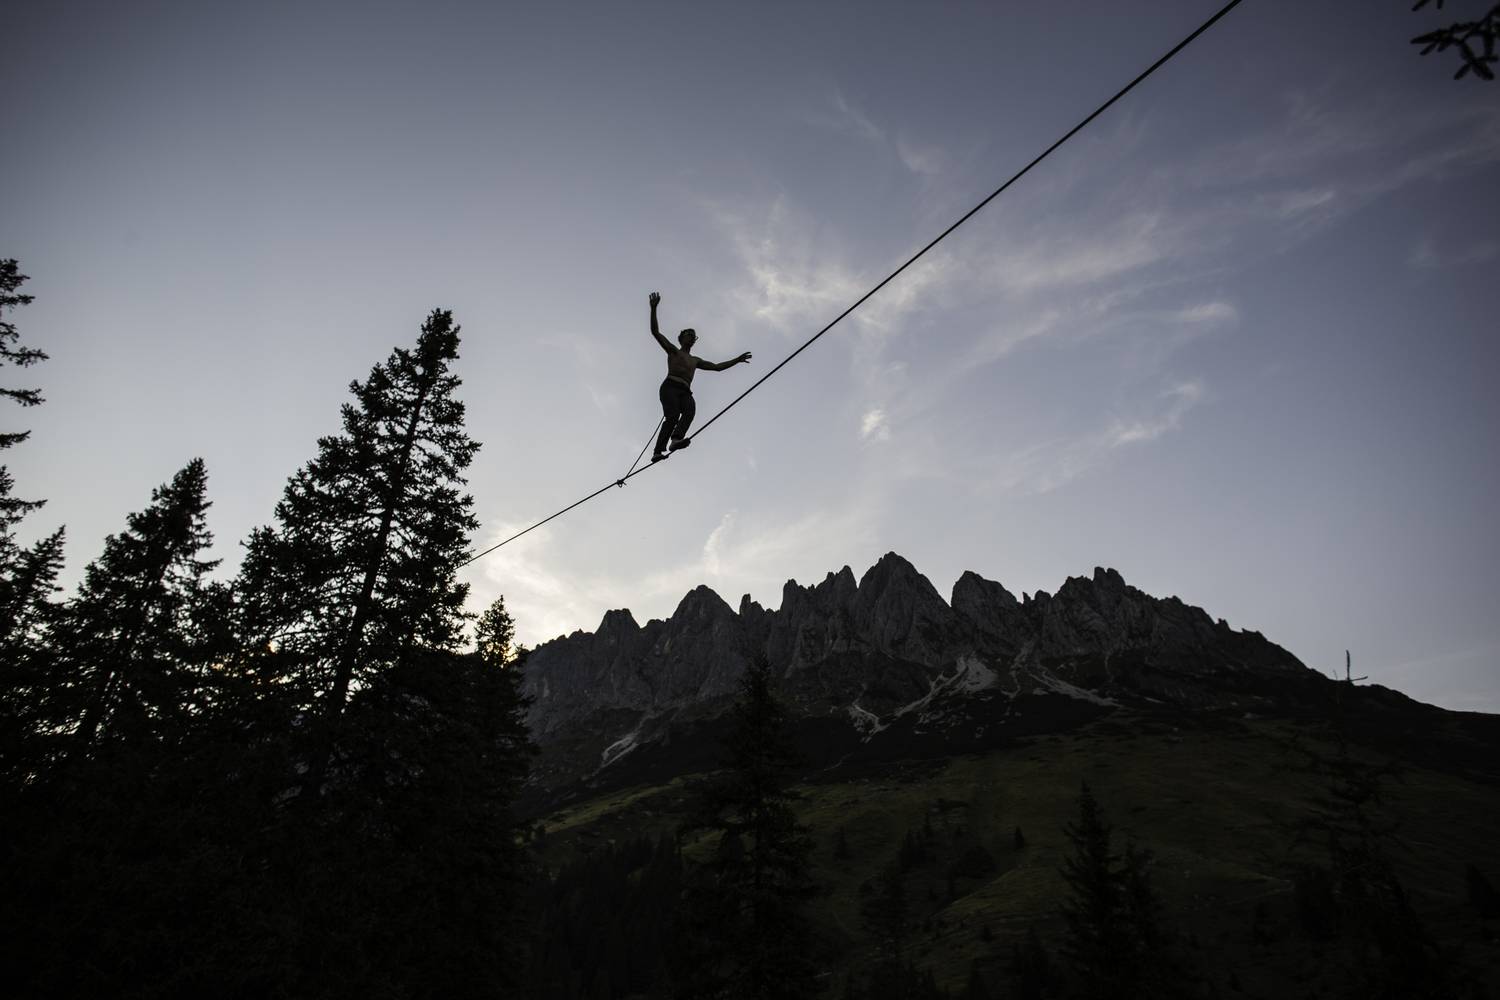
x,y
677,410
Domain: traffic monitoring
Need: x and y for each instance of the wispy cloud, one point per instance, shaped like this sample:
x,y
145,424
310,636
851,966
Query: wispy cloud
x,y
1180,398
1088,257
1050,465
1206,313
797,279
712,563
874,426
1427,256
923,160
838,114
1318,165
790,279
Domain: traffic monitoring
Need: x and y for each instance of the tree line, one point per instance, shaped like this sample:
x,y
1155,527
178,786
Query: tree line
x,y
296,782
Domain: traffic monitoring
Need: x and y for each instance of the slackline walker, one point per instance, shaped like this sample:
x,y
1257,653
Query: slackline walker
x,y
678,411
677,407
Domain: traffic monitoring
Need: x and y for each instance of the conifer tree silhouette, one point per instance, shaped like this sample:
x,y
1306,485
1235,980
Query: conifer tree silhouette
x,y
494,634
746,902
370,533
23,572
1115,944
130,654
12,352
27,619
28,576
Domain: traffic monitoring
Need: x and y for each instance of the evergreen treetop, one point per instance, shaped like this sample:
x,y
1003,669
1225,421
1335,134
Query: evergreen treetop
x,y
11,351
370,533
130,640
13,509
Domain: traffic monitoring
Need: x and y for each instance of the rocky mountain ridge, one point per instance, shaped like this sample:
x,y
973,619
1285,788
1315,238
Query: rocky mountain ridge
x,y
878,663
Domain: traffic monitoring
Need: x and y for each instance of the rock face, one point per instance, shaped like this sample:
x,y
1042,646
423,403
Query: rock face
x,y
886,660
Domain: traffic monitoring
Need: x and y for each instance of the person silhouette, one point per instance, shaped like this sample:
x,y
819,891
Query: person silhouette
x,y
677,406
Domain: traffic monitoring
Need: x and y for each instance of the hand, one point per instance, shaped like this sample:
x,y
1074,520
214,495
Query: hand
x,y
655,298
742,358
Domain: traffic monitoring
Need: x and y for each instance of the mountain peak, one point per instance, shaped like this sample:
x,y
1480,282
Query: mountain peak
x,y
892,570
981,601
1108,578
617,621
701,602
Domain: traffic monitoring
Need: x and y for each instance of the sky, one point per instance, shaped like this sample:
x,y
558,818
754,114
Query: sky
x,y
1235,340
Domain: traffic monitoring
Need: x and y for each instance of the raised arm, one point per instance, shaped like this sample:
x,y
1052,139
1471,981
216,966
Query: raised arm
x,y
718,366
666,344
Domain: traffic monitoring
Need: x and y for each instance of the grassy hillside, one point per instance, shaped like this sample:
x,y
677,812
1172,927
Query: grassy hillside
x,y
1218,804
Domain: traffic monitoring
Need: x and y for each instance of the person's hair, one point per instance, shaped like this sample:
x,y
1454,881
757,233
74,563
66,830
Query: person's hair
x,y
689,332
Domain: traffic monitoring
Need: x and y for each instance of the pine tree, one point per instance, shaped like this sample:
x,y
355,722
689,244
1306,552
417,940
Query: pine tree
x,y
494,634
25,594
1115,944
747,900
361,565
130,655
27,616
19,568
28,576
11,352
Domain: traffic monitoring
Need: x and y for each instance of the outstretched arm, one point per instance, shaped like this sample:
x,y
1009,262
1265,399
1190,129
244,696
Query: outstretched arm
x,y
666,344
718,366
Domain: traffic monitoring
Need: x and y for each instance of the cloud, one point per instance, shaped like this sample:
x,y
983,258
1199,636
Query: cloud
x,y
874,426
1426,256
1316,165
1207,312
924,161
789,281
550,594
711,548
1180,398
797,280
604,400
1005,337
1130,244
837,114
1048,466
757,559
